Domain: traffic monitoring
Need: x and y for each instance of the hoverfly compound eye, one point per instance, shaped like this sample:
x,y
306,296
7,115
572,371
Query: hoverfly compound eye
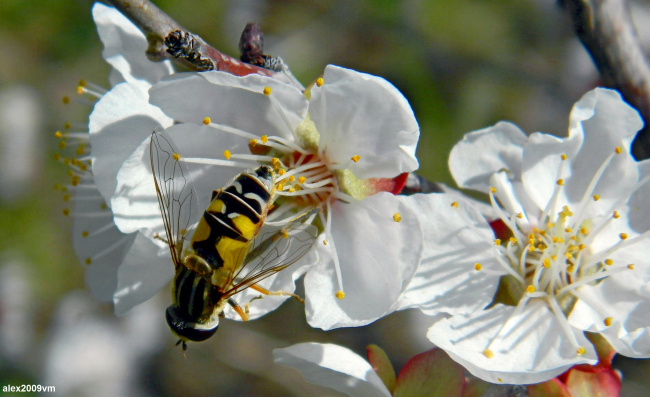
x,y
264,172
187,330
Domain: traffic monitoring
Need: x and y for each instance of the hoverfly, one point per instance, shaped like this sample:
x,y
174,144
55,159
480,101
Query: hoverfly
x,y
227,252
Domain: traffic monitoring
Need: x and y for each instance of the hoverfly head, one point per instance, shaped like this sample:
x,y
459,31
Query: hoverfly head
x,y
187,328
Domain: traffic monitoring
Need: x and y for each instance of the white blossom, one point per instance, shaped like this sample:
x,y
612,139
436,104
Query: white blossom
x,y
575,257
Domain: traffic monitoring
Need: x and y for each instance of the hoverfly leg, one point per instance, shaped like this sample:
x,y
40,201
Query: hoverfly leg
x,y
276,293
238,309
251,301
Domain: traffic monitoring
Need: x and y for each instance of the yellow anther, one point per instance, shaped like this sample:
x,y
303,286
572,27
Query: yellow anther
x,y
340,294
227,154
568,230
549,225
546,262
281,186
355,158
478,267
88,261
82,83
292,190
66,212
84,234
623,236
264,138
58,134
513,240
176,156
531,248
75,180
291,178
277,164
66,197
568,255
282,171
253,142
454,204
583,230
616,215
608,321
555,239
80,90
492,190
569,269
65,100
520,215
267,91
324,242
563,157
302,180
497,242
596,197
207,121
62,145
67,125
618,150
285,234
397,217
581,350
320,82
57,156
630,266
530,289
103,206
582,247
488,353
566,211
560,182
499,379
609,262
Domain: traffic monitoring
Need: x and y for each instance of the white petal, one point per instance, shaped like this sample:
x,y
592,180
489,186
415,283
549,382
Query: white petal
x,y
233,101
147,268
603,121
118,123
360,114
333,366
543,165
135,204
124,48
532,349
625,300
481,153
377,255
455,240
639,204
96,237
604,118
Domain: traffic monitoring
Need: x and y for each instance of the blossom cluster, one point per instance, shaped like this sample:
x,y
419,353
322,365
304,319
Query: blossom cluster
x,y
513,289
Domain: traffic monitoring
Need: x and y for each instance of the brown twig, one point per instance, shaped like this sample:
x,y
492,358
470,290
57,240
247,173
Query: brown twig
x,y
606,30
169,40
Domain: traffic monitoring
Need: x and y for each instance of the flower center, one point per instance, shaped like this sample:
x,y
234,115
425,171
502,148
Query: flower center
x,y
304,179
551,258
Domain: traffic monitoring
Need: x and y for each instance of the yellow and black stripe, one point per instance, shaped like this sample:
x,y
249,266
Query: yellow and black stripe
x,y
233,218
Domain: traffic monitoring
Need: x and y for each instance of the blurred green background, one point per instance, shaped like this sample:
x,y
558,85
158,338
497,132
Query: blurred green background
x,y
463,65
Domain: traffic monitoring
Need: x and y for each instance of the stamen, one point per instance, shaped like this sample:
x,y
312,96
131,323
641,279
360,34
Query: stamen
x,y
320,82
397,217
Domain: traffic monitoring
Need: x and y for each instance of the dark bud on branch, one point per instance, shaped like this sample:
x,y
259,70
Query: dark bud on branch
x,y
251,47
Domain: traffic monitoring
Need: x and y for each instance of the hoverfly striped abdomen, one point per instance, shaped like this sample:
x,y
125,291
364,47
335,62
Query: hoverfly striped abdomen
x,y
233,218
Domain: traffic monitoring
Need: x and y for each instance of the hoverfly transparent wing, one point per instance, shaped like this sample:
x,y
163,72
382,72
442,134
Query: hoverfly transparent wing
x,y
271,251
179,204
